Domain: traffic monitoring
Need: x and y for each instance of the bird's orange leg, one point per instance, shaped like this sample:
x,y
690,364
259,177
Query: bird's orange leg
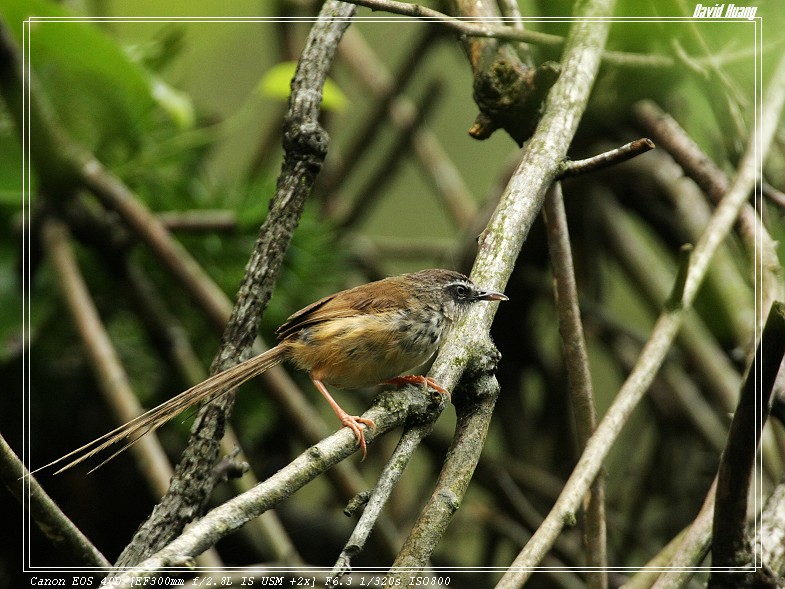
x,y
419,379
351,421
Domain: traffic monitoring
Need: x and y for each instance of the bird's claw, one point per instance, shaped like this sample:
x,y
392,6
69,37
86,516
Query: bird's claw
x,y
423,380
353,422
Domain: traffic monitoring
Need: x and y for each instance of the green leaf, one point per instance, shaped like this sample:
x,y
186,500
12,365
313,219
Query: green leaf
x,y
177,104
275,83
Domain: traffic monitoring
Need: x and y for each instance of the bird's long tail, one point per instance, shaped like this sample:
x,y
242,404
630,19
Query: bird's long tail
x,y
209,389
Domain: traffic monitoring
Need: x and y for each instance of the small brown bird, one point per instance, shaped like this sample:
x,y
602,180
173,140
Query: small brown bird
x,y
370,334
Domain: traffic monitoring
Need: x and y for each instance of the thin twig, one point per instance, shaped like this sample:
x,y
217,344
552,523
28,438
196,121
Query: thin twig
x,y
607,159
576,360
472,29
389,477
660,341
53,523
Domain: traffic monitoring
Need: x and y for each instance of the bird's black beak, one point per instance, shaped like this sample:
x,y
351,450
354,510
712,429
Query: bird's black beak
x,y
490,295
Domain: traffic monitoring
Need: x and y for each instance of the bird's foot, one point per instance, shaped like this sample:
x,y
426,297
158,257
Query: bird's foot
x,y
353,422
419,379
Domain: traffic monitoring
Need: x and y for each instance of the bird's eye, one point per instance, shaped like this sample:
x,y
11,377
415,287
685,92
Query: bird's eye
x,y
461,291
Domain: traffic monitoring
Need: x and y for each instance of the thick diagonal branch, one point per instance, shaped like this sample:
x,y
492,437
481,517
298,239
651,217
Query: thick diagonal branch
x,y
305,145
499,245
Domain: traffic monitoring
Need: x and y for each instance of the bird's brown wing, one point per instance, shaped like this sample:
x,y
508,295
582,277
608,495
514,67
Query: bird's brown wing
x,y
344,304
302,318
